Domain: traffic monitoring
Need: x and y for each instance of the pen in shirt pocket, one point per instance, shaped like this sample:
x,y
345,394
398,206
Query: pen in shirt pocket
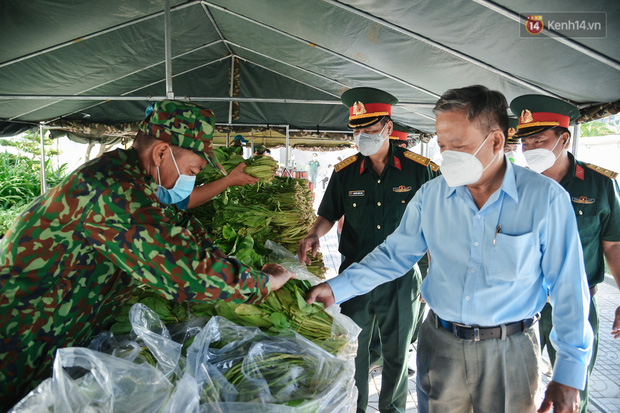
x,y
497,231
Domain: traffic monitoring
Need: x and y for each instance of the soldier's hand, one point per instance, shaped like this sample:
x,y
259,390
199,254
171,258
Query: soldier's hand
x,y
615,329
237,177
278,275
310,242
322,293
564,399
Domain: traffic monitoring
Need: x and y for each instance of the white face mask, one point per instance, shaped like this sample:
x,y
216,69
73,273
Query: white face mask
x,y
462,168
511,155
368,143
540,159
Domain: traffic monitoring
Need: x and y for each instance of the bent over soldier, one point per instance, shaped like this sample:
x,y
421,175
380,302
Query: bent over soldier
x,y
75,255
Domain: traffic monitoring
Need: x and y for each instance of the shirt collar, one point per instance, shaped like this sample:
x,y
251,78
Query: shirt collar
x,y
572,169
365,165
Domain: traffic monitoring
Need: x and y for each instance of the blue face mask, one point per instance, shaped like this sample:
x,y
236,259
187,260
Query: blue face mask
x,y
181,190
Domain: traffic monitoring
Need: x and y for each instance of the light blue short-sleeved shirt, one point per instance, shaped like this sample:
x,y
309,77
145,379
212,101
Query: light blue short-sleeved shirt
x,y
483,276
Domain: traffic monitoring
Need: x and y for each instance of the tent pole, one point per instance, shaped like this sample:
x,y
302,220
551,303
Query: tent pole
x,y
287,153
230,91
43,178
152,98
168,51
576,138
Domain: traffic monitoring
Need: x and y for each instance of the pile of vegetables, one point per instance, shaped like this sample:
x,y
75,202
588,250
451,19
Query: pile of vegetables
x,y
283,310
262,167
241,219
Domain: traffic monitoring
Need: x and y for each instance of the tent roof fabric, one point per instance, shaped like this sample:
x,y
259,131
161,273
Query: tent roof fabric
x,y
291,59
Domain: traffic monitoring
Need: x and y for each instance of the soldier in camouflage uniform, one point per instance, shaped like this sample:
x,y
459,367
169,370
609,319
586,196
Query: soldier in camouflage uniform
x,y
77,252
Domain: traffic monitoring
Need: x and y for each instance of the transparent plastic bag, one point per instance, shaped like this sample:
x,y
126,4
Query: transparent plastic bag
x,y
185,398
85,380
291,262
228,368
151,330
287,371
343,339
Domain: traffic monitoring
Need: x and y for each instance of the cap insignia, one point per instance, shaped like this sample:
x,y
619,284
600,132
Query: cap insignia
x,y
358,108
511,132
526,116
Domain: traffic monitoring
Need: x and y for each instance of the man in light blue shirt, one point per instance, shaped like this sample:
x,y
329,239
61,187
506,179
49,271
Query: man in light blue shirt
x,y
498,235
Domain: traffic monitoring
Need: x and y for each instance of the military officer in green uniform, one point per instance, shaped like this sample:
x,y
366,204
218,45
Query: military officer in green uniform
x,y
73,258
512,143
399,138
313,169
372,189
399,135
543,130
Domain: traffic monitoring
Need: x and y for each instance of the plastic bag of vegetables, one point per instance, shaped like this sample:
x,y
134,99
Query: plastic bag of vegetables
x,y
222,368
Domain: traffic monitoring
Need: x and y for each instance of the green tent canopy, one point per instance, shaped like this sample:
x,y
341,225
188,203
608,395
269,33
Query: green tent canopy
x,y
258,63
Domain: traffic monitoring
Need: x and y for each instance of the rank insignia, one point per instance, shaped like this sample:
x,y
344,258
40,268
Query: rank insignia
x,y
582,200
603,171
402,188
526,116
358,108
359,192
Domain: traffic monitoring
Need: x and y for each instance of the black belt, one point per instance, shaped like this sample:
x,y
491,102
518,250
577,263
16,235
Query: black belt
x,y
476,333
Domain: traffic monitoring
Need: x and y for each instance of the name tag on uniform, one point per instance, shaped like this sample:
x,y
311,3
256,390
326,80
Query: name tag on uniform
x,y
360,192
402,188
582,200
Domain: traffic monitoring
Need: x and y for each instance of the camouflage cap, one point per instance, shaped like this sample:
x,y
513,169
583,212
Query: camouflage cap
x,y
183,124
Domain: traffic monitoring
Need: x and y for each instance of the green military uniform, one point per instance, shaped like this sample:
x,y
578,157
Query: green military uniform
x,y
510,139
313,170
399,135
75,255
373,206
596,200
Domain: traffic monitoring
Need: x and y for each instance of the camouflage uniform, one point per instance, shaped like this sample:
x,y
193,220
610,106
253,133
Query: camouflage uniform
x,y
77,252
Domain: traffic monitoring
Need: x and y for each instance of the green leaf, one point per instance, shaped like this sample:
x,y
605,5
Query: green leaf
x,y
280,321
247,243
252,315
159,305
228,232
